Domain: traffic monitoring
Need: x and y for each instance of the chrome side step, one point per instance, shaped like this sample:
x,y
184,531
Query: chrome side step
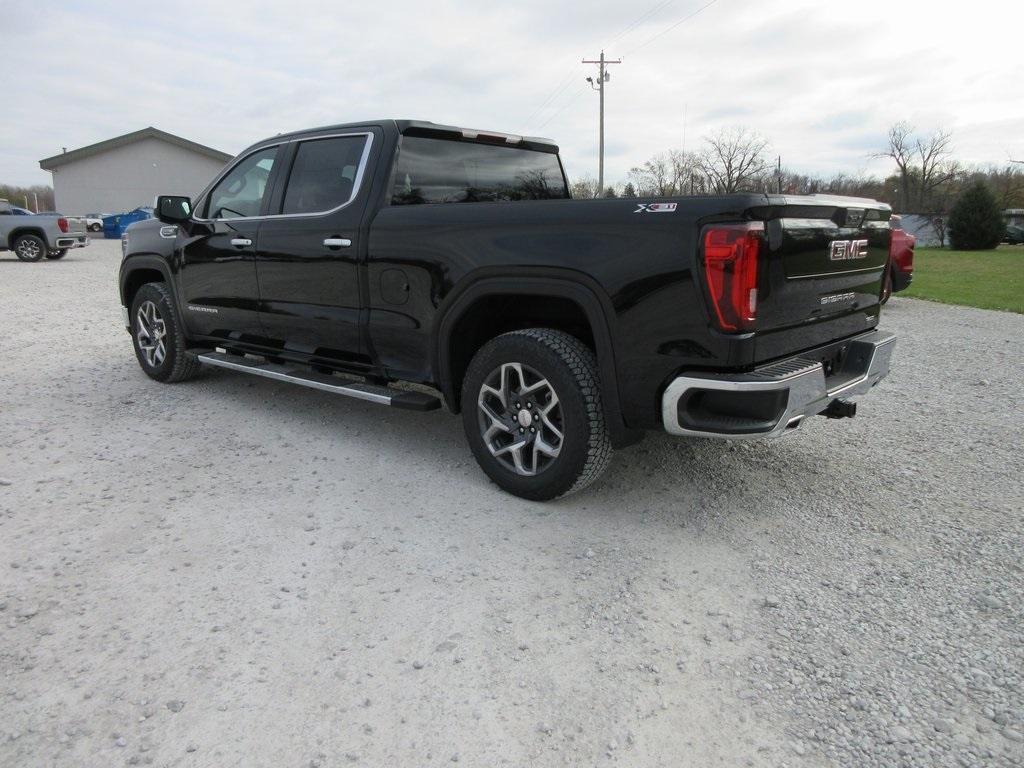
x,y
373,393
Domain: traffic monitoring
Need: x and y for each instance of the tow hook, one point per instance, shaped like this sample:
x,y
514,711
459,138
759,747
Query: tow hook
x,y
840,409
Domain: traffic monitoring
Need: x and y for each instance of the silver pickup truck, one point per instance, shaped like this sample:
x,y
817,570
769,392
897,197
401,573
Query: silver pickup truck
x,y
34,235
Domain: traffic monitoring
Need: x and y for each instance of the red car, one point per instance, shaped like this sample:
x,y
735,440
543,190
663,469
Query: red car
x,y
900,270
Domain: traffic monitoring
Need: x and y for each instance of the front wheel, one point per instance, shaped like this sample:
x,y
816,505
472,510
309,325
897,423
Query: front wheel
x,y
95,227
157,336
60,253
532,412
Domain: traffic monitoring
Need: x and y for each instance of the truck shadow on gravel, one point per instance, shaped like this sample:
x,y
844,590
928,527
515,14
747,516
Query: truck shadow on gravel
x,y
659,469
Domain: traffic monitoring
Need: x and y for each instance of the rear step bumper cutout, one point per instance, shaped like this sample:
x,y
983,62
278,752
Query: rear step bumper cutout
x,y
374,393
768,400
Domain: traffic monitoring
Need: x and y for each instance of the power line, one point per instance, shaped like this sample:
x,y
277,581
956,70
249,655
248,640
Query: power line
x,y
567,80
670,28
642,18
555,114
562,85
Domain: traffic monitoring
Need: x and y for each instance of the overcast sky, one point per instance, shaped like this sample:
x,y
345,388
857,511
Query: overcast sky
x,y
822,81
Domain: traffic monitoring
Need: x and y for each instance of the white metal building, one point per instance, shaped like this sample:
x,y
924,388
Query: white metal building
x,y
128,171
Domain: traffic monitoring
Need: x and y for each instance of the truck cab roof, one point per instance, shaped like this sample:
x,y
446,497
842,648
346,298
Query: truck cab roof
x,y
427,128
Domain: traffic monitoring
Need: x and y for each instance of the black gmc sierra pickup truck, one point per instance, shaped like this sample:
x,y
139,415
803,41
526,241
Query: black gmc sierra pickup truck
x,y
352,257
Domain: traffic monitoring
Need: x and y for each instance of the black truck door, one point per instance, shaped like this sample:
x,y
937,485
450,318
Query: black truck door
x,y
307,263
218,288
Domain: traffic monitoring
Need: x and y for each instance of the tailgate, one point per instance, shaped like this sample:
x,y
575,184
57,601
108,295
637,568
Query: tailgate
x,y
824,259
76,225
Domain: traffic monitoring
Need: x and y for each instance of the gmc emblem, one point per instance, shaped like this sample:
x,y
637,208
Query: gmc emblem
x,y
843,250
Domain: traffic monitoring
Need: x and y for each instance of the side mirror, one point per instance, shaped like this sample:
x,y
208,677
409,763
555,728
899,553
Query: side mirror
x,y
172,209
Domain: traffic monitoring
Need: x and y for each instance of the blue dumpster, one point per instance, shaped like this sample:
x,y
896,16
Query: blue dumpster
x,y
115,224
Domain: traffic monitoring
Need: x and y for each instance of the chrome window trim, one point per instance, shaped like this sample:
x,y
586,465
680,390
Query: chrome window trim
x,y
356,183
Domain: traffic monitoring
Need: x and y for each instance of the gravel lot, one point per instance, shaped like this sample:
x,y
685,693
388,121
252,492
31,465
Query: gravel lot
x,y
237,572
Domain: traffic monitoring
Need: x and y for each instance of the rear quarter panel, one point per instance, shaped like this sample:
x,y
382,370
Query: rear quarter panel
x,y
639,263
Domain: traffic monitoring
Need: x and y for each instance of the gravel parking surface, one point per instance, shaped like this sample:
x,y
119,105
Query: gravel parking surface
x,y
237,572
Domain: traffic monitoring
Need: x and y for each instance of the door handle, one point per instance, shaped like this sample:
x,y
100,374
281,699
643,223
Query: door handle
x,y
241,242
337,242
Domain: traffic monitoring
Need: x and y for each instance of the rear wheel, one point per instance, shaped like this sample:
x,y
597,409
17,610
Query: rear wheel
x,y
532,412
157,336
95,227
60,253
29,247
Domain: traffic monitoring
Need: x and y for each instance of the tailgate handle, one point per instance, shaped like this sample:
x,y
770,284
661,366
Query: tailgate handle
x,y
337,242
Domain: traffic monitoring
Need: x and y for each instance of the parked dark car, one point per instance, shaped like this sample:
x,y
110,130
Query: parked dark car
x,y
351,257
1014,234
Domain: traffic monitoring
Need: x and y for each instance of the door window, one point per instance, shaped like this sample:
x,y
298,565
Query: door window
x,y
324,174
240,193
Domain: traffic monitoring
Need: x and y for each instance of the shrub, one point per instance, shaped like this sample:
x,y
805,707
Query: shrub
x,y
976,223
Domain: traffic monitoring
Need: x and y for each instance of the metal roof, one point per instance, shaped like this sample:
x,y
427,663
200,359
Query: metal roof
x,y
49,163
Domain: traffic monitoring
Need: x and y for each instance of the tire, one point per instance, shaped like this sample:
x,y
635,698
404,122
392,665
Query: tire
x,y
886,287
60,253
537,389
158,337
95,227
29,247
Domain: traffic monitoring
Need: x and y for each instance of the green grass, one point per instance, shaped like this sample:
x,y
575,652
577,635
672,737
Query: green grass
x,y
986,279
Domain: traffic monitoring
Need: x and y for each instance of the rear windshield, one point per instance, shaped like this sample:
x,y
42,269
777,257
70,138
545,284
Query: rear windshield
x,y
441,171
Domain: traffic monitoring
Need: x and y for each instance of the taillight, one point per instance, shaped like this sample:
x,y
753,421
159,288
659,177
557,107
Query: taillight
x,y
901,250
62,223
730,268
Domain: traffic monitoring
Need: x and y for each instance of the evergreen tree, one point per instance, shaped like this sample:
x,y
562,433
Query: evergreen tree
x,y
629,190
976,222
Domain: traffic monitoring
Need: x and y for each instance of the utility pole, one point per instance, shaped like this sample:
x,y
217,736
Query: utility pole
x,y
602,78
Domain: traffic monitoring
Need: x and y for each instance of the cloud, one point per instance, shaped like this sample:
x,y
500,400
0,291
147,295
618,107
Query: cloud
x,y
819,85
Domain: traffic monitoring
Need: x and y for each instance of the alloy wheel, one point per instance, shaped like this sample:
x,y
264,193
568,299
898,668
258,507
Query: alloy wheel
x,y
150,333
29,249
520,418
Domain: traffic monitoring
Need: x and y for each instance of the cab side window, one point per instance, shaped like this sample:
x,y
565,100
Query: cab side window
x,y
323,175
240,193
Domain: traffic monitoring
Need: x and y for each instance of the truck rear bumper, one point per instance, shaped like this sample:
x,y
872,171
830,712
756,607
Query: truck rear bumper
x,y
771,399
72,241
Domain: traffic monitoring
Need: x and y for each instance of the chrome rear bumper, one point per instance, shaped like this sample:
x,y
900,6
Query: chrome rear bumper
x,y
771,399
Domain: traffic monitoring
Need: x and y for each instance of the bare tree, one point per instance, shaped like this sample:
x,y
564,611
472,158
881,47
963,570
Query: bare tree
x,y
734,160
924,165
935,167
901,150
655,177
584,188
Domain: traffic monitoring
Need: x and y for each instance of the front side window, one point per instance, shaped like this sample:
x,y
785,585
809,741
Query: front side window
x,y
240,193
323,175
443,171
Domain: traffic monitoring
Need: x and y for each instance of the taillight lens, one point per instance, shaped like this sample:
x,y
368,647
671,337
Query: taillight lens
x,y
730,269
901,250
62,223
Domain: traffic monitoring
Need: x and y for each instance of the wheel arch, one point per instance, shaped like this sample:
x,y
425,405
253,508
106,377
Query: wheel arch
x,y
14,234
136,271
570,305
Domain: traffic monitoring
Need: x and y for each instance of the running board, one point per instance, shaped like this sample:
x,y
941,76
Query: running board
x,y
373,393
